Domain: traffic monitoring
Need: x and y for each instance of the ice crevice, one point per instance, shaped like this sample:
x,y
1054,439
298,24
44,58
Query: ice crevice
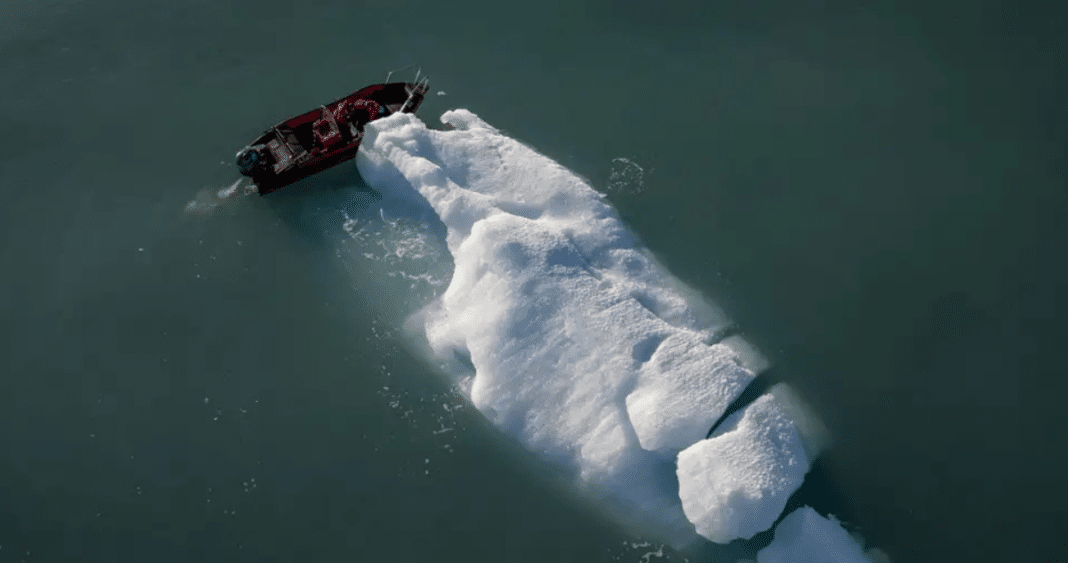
x,y
579,345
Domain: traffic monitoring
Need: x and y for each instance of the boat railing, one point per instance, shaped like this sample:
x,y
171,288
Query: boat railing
x,y
420,87
329,116
421,84
291,155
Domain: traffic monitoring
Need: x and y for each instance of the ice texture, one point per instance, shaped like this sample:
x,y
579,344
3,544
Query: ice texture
x,y
805,536
583,348
736,483
667,407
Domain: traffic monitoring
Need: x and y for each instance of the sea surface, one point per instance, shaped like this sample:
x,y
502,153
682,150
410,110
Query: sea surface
x,y
875,193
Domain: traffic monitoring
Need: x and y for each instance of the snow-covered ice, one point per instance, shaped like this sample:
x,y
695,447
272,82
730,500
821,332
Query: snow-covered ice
x,y
736,483
584,348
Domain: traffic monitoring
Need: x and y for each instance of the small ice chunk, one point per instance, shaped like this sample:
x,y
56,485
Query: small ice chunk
x,y
805,536
736,483
464,120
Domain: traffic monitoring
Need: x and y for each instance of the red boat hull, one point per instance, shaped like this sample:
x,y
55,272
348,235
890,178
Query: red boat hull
x,y
324,137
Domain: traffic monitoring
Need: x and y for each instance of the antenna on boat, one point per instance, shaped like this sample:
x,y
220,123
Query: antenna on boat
x,y
420,86
406,68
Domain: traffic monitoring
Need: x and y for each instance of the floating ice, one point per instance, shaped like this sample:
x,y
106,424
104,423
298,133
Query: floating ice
x,y
736,483
805,536
583,348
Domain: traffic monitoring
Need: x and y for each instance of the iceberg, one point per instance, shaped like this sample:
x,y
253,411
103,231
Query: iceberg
x,y
576,343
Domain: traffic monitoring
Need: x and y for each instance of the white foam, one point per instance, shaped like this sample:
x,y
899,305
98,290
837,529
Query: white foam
x,y
805,536
224,193
583,348
208,199
736,483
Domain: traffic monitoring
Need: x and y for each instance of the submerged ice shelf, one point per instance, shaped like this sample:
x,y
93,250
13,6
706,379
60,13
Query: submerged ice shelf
x,y
804,535
583,347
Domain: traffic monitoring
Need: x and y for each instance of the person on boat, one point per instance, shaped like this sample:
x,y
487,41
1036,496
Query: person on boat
x,y
356,113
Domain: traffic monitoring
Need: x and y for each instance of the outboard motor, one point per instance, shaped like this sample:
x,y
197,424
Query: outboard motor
x,y
253,161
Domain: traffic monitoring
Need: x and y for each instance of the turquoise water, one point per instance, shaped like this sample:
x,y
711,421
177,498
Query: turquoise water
x,y
875,195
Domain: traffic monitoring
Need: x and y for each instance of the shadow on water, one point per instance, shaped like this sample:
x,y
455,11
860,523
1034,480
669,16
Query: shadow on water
x,y
301,205
384,246
756,388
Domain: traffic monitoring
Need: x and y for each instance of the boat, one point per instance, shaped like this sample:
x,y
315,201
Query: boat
x,y
326,136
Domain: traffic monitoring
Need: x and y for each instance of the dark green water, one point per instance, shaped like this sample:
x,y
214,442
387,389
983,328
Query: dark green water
x,y
874,193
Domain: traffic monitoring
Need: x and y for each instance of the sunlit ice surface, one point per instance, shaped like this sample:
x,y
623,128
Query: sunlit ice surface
x,y
567,335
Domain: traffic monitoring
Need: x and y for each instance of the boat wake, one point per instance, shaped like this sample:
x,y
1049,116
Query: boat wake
x,y
207,199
